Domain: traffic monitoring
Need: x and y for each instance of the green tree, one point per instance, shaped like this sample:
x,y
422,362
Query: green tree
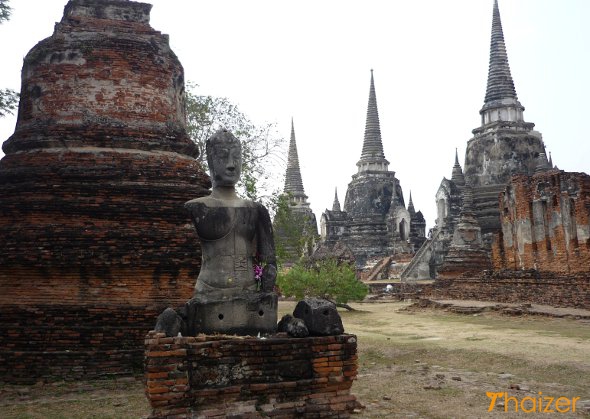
x,y
8,101
8,97
294,231
262,147
326,278
5,11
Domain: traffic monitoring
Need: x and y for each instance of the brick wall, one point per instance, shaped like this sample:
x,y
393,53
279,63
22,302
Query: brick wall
x,y
220,377
545,223
49,342
519,287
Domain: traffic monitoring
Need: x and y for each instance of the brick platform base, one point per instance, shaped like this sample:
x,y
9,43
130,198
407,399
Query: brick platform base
x,y
519,287
229,376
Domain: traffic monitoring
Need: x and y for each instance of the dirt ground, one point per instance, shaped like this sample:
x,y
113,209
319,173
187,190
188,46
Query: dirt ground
x,y
412,364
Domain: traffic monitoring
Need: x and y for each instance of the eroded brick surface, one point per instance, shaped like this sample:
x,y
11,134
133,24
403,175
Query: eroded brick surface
x,y
545,223
94,237
221,376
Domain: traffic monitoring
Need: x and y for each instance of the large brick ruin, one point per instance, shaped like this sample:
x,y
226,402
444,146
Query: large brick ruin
x,y
95,240
542,253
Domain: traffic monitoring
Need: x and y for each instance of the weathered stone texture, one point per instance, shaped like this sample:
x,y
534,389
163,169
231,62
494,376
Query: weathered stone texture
x,y
492,157
92,186
466,255
545,223
221,376
367,204
320,316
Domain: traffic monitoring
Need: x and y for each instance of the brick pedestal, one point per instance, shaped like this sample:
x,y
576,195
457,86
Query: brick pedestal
x,y
226,376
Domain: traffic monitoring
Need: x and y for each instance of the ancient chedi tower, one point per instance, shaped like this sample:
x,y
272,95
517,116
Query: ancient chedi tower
x,y
293,183
378,221
301,220
505,144
94,239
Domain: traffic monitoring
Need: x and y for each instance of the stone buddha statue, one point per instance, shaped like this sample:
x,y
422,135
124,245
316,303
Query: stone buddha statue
x,y
235,234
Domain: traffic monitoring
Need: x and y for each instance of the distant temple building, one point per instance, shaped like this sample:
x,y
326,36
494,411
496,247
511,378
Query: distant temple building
x,y
375,221
504,145
300,221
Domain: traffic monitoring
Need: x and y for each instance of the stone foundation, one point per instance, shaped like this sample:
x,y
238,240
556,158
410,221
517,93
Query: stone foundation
x,y
402,290
228,376
519,287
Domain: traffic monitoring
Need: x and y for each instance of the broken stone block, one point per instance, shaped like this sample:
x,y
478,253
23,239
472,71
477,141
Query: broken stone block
x,y
320,317
169,322
293,326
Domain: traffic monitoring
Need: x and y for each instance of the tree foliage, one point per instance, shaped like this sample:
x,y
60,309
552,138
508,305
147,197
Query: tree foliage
x,y
261,145
325,278
294,231
8,101
5,11
8,97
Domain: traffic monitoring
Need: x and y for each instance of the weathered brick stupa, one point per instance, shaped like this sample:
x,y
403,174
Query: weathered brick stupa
x,y
94,239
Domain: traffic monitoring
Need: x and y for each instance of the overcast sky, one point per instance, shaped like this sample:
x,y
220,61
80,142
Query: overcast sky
x,y
311,60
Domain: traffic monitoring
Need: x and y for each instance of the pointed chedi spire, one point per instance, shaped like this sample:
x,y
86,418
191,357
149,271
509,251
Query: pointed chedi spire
x,y
372,156
550,160
411,208
336,204
293,182
457,174
542,164
501,101
500,83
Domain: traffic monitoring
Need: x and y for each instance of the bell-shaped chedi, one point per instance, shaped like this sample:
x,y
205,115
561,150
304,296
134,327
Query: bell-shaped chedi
x,y
504,144
94,239
370,192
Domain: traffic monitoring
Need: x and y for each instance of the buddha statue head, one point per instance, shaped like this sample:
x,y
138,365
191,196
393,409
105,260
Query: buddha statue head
x,y
224,156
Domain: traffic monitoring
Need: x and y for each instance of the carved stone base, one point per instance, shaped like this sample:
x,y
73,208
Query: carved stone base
x,y
249,314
